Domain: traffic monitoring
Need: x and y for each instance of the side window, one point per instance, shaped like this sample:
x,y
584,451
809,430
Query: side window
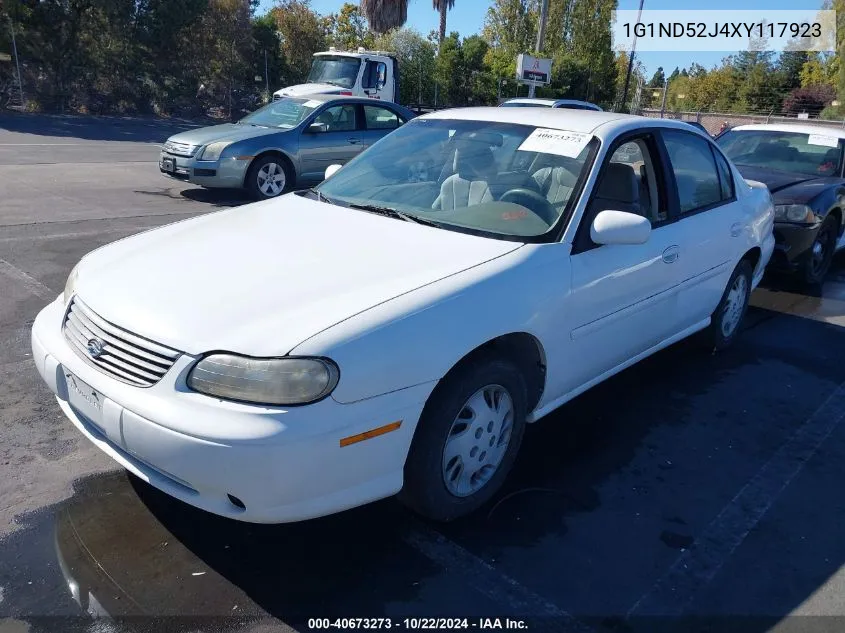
x,y
695,170
629,182
726,181
379,118
340,118
375,75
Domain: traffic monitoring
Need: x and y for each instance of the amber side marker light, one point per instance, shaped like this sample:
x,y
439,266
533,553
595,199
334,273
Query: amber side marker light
x,y
368,435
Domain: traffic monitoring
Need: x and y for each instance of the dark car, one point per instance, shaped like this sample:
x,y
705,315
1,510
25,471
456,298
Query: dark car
x,y
802,167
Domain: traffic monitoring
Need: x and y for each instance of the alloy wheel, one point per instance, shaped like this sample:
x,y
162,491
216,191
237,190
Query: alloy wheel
x,y
271,179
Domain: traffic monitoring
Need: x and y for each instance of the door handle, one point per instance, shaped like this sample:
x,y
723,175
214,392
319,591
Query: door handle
x,y
736,229
352,140
671,254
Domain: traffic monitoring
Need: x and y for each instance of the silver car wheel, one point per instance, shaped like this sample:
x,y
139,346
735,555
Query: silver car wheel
x,y
735,305
271,179
477,440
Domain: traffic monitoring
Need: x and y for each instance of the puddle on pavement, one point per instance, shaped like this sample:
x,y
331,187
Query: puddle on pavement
x,y
120,548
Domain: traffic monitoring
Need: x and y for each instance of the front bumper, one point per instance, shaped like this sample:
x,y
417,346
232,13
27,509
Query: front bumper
x,y
283,464
224,173
793,243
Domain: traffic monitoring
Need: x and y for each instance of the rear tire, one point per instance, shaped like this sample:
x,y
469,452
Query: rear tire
x,y
268,177
466,440
821,253
726,319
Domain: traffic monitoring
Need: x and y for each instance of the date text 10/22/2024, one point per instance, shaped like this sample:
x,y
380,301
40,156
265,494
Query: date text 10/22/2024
x,y
417,624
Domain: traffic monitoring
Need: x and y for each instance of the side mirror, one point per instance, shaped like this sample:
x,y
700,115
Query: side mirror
x,y
316,128
620,227
331,170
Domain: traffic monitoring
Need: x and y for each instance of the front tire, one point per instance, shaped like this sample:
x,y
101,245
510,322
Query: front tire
x,y
726,319
821,253
466,440
268,177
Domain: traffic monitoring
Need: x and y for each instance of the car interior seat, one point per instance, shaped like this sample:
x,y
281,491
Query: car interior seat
x,y
473,164
556,184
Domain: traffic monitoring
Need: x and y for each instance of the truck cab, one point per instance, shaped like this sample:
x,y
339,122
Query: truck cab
x,y
373,74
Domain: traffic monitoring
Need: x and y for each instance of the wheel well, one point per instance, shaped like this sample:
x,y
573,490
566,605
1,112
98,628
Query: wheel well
x,y
837,213
753,258
270,152
526,352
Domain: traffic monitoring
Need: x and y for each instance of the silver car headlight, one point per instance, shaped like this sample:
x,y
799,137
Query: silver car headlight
x,y
793,213
70,284
212,151
271,381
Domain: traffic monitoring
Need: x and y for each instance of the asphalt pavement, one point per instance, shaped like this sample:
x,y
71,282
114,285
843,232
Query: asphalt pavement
x,y
694,491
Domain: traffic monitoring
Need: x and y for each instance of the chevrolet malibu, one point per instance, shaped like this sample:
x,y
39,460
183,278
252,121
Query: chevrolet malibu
x,y
396,328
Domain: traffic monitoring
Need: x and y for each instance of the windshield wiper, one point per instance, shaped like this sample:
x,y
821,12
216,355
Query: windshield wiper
x,y
321,197
394,213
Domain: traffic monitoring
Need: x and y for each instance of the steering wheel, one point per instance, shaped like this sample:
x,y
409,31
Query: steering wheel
x,y
533,201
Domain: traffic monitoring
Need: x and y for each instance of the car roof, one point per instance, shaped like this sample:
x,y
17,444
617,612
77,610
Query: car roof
x,y
538,101
801,128
602,124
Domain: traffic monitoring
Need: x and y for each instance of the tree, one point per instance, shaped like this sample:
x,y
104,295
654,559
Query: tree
x,y
675,74
789,66
450,71
811,100
302,35
384,15
349,29
443,6
657,79
416,60
819,69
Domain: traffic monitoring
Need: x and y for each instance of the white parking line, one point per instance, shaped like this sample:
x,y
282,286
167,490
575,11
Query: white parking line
x,y
31,283
484,578
698,565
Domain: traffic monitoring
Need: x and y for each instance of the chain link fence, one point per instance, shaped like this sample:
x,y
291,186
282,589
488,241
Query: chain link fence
x,y
713,121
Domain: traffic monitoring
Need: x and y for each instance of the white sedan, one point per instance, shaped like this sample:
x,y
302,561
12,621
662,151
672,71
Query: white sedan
x,y
395,329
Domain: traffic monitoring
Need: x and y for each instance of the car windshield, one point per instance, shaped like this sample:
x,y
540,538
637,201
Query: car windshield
x,y
797,152
505,180
335,70
284,113
522,104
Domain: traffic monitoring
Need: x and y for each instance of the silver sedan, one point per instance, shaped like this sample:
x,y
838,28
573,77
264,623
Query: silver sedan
x,y
287,143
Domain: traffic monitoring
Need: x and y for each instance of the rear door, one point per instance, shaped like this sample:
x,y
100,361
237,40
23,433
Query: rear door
x,y
711,220
335,139
379,121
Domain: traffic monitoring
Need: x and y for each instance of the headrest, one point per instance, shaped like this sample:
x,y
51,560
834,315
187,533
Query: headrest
x,y
563,177
473,160
619,183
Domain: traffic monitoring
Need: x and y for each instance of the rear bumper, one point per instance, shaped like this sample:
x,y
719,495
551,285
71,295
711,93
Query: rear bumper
x,y
226,173
283,464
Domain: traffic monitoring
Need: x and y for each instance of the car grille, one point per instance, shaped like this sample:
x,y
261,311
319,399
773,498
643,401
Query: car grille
x,y
123,355
180,149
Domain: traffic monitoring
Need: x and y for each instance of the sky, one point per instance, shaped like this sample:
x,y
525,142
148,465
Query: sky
x,y
467,17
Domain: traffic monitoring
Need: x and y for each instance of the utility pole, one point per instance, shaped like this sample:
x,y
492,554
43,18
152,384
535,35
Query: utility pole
x,y
663,101
631,59
17,62
541,34
266,74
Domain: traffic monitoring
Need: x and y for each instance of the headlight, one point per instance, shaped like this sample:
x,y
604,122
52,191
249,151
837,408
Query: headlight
x,y
70,284
272,381
793,213
212,151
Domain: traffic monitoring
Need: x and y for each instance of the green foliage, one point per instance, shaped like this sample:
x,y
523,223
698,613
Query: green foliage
x,y
348,29
416,64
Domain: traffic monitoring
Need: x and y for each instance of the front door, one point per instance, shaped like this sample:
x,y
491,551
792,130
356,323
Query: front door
x,y
624,297
333,137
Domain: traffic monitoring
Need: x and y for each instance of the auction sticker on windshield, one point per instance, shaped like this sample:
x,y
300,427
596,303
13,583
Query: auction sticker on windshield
x,y
821,139
560,142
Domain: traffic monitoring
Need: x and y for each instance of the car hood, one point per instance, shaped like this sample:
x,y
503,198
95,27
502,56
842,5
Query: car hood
x,y
300,90
262,278
225,132
786,187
